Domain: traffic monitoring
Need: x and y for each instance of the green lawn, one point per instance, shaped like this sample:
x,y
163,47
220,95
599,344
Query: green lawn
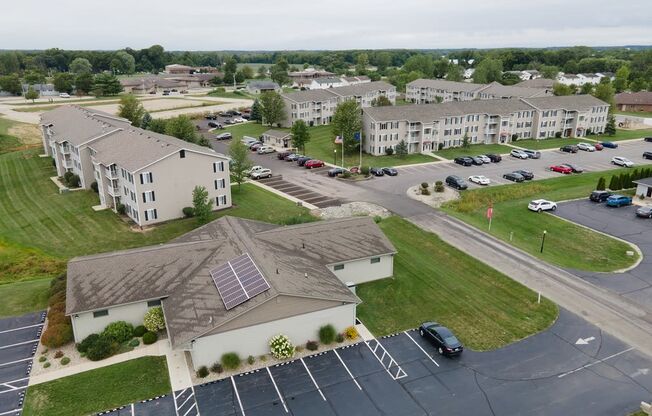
x,y
634,113
230,94
23,297
7,143
551,143
473,150
101,389
435,281
566,244
624,135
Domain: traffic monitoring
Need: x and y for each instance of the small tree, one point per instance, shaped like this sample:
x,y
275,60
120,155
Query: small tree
x,y
31,94
601,184
182,128
381,101
146,120
273,107
154,320
346,121
240,162
389,151
401,149
131,109
614,183
256,111
465,141
202,206
300,135
610,128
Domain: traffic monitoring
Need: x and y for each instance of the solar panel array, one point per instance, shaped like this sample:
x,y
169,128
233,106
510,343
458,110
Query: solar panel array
x,y
238,280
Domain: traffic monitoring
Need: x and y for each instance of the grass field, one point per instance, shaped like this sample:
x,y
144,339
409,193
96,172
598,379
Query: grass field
x,y
23,297
624,135
10,143
635,113
98,390
435,281
566,244
473,150
230,94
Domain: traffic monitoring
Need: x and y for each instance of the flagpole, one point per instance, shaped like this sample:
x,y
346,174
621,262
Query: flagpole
x,y
342,136
360,165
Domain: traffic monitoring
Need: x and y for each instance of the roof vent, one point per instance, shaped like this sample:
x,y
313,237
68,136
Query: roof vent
x,y
210,319
303,245
277,270
305,275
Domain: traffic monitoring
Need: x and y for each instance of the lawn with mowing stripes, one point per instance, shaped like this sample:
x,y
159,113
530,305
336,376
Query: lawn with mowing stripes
x,y
623,135
473,150
434,281
23,297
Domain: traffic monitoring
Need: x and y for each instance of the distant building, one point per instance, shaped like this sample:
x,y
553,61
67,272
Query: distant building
x,y
428,91
277,138
634,101
644,187
177,69
258,87
581,79
540,83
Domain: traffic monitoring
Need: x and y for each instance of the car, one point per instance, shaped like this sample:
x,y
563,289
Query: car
x,y
622,161
569,148
302,160
376,171
519,154
526,174
479,179
574,168
336,172
292,157
561,169
264,149
476,160
253,169
599,196
539,205
464,161
254,147
263,173
619,201
249,139
232,113
484,158
252,144
442,338
239,120
314,163
644,212
610,145
64,95
166,92
215,125
210,117
514,177
532,154
647,155
229,122
494,158
390,171
224,136
456,182
222,114
598,146
586,147
647,139
282,155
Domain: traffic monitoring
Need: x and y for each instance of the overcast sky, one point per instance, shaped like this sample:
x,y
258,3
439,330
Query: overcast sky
x,y
332,24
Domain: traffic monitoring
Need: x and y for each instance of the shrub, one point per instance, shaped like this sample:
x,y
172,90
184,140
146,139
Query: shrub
x,y
263,358
102,348
602,184
202,372
58,354
389,151
327,334
134,343
65,361
58,284
251,360
312,345
149,338
439,187
58,318
217,368
58,297
230,360
188,212
46,365
377,219
346,175
42,359
351,333
119,331
57,335
281,347
67,177
425,191
139,331
74,181
558,135
87,342
424,185
121,209
339,338
365,170
94,187
154,320
298,348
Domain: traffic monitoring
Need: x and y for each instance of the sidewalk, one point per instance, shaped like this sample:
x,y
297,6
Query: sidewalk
x,y
178,368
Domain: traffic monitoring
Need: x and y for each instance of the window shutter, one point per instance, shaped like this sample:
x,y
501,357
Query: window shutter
x,y
146,216
153,196
151,177
155,214
141,179
216,184
144,196
214,167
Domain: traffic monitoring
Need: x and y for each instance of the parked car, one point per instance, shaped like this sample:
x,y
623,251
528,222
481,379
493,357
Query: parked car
x,y
464,161
302,160
574,168
644,212
598,146
313,163
586,147
215,125
622,161
484,158
456,182
539,205
376,171
263,173
254,147
526,174
390,171
519,154
252,144
334,172
292,157
619,201
166,92
64,95
476,160
561,169
647,155
239,120
210,117
569,148
264,149
229,122
647,139
442,338
532,154
599,196
610,145
514,177
254,169
224,136
246,116
479,179
283,155
494,158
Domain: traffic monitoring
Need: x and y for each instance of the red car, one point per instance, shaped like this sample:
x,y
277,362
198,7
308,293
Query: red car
x,y
561,169
314,163
598,146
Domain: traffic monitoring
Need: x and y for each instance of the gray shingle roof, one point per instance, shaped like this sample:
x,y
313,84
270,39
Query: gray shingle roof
x,y
78,125
263,85
363,88
498,90
640,98
442,84
644,181
277,133
581,102
310,95
536,83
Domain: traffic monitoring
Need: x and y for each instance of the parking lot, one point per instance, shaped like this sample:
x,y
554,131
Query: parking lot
x,y
19,338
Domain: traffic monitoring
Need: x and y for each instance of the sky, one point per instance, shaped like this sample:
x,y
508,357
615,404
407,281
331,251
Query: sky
x,y
333,24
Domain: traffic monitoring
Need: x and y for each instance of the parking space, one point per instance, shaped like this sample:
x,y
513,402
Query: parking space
x,y
300,192
156,406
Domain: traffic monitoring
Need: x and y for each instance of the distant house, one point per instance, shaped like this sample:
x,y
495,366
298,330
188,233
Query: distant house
x,y
579,79
327,82
177,69
44,90
644,187
277,138
634,101
309,73
258,87
427,91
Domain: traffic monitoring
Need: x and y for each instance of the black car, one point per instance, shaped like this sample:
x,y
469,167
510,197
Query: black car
x,y
647,155
647,139
464,161
224,136
476,160
599,196
376,171
336,172
569,148
456,182
494,158
442,338
644,212
390,171
525,174
292,157
574,168
302,160
215,125
533,154
229,121
210,117
246,116
514,177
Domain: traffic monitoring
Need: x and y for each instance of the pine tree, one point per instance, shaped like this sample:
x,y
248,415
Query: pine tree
x,y
401,149
256,111
610,128
601,184
613,183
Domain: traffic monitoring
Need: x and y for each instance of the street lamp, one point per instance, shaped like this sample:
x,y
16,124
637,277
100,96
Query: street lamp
x,y
335,156
543,240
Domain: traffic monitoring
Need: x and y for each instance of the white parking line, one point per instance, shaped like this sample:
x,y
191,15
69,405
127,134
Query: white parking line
x,y
132,410
18,329
347,369
185,401
193,395
19,343
17,361
594,363
176,407
237,396
191,407
312,378
13,389
419,346
15,411
277,391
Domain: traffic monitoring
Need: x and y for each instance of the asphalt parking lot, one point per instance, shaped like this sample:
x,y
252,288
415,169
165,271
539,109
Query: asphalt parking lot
x,y
635,284
19,338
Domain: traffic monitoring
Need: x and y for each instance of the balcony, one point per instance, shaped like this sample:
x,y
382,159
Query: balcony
x,y
67,163
113,190
65,150
111,173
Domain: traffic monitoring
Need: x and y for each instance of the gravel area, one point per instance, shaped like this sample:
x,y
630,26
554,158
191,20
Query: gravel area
x,y
354,209
435,199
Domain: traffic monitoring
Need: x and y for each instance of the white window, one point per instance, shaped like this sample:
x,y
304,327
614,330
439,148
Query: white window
x,y
220,200
146,177
218,167
151,214
149,196
220,183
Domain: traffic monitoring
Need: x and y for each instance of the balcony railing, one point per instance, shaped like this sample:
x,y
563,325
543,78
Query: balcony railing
x,y
65,150
67,163
113,190
111,173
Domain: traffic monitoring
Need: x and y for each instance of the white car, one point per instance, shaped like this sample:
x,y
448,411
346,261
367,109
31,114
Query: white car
x,y
254,169
265,149
539,205
238,120
586,147
479,179
519,154
263,173
484,158
64,95
622,161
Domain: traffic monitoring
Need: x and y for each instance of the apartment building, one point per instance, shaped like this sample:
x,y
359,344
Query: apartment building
x,y
429,91
429,127
151,174
316,107
334,82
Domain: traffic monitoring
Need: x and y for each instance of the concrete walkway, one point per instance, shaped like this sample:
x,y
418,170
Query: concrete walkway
x,y
178,369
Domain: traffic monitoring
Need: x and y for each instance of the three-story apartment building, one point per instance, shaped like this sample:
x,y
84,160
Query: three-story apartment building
x,y
430,91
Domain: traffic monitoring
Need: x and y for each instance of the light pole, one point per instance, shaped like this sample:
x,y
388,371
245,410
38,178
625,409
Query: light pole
x,y
543,240
335,156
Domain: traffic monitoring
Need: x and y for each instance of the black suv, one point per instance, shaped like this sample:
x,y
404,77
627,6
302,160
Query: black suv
x,y
569,148
464,161
647,139
514,177
456,182
494,158
647,155
526,174
599,196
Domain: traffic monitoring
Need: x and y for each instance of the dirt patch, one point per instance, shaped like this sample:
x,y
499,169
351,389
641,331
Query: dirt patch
x,y
28,134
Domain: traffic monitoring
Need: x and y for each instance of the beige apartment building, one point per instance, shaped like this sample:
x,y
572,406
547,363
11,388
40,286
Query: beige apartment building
x,y
316,107
428,127
151,174
430,91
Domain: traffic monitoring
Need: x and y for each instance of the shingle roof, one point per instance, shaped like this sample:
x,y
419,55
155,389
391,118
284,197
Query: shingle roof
x,y
644,181
362,88
277,133
498,90
328,80
442,84
536,83
580,102
78,125
310,95
634,98
263,84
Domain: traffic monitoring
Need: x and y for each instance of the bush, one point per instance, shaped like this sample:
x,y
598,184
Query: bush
x,y
67,177
424,185
389,151
58,354
377,219
188,212
139,331
149,338
119,331
121,209
251,360
312,345
72,180
65,361
439,187
298,348
217,368
425,191
263,358
42,359
327,334
58,284
102,348
154,320
134,343
558,135
58,297
346,174
281,347
87,342
46,365
57,335
365,170
351,333
230,360
602,184
94,187
339,338
202,372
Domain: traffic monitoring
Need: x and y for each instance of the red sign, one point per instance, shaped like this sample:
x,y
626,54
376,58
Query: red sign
x,y
490,212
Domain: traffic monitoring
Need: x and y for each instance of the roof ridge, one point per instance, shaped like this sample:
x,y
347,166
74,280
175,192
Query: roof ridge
x,y
144,249
315,223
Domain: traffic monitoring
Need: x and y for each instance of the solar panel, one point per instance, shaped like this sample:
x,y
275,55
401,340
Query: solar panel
x,y
238,280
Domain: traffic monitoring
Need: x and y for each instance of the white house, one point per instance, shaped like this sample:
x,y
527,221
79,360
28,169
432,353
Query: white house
x,y
644,187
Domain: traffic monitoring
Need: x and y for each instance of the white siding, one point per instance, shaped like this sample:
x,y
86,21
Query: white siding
x,y
363,270
84,324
